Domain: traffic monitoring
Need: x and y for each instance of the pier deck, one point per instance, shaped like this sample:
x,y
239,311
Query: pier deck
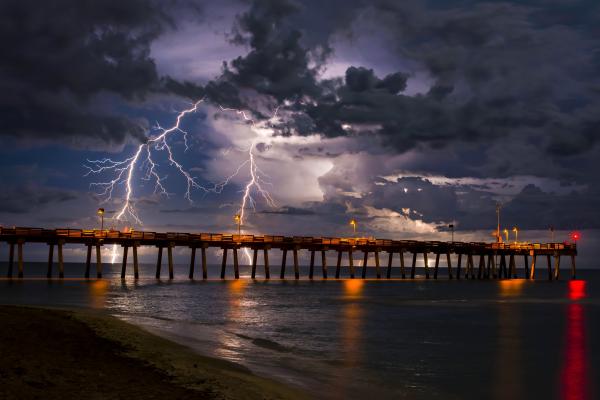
x,y
491,258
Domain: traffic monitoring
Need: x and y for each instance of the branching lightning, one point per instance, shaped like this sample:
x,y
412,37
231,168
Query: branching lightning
x,y
142,158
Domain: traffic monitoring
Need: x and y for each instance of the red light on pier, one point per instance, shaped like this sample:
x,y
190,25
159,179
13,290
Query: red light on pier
x,y
575,236
576,290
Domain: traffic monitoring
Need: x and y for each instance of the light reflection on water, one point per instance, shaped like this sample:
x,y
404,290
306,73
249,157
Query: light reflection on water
x,y
354,339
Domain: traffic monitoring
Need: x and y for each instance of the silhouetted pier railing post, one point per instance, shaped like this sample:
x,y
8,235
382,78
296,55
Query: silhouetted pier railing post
x,y
501,258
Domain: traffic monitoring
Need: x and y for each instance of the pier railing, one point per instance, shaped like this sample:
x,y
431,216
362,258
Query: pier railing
x,y
491,256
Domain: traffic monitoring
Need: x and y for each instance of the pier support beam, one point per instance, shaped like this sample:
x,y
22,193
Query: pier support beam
x,y
88,261
192,262
136,271
470,267
549,262
296,266
236,265
388,273
351,263
458,265
20,258
338,266
513,267
377,270
283,262
50,260
98,261
266,259
573,271
224,263
365,261
324,263
11,259
526,262
449,263
436,266
170,259
203,261
159,262
533,260
556,266
426,264
254,260
61,264
311,267
481,268
413,268
124,263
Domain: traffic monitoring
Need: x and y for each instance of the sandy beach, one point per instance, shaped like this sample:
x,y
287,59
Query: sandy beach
x,y
74,354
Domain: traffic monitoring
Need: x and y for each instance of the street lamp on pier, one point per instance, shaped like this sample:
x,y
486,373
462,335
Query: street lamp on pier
x,y
100,212
516,231
238,220
451,226
506,234
353,223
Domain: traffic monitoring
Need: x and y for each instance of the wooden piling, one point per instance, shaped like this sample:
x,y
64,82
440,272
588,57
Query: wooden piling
x,y
413,268
533,259
98,262
556,266
50,260
365,260
192,262
470,267
388,274
526,266
573,271
170,259
159,262
311,267
203,260
377,271
11,259
224,263
283,261
266,258
436,266
324,263
20,258
124,264
449,263
488,271
426,264
296,266
254,260
88,261
61,264
481,267
458,265
136,271
503,269
338,266
402,272
351,264
236,266
549,259
513,267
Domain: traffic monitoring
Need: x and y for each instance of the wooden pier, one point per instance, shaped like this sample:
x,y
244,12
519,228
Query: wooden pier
x,y
494,260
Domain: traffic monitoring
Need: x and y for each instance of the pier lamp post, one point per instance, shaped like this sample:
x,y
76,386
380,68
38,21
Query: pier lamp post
x,y
353,223
506,234
451,226
516,231
100,212
238,220
552,234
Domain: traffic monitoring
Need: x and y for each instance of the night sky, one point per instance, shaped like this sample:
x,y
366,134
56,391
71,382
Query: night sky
x,y
405,115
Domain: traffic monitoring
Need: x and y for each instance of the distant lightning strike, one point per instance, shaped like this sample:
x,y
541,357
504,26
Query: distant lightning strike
x,y
124,172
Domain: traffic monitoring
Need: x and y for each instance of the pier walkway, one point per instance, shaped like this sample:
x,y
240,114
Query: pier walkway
x,y
494,260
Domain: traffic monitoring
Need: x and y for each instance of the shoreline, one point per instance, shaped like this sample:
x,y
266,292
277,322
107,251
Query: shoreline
x,y
54,353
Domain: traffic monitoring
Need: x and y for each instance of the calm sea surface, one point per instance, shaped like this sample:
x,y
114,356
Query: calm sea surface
x,y
352,339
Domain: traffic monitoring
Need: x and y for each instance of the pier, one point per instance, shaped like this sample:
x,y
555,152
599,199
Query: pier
x,y
474,260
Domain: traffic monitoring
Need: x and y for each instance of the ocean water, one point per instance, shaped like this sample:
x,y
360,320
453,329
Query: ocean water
x,y
354,338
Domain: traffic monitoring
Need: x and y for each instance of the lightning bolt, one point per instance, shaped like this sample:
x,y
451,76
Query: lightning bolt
x,y
123,171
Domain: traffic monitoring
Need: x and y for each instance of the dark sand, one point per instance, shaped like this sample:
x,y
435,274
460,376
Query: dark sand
x,y
58,354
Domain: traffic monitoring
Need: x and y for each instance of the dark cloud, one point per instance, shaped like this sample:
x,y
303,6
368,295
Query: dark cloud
x,y
31,198
60,56
289,211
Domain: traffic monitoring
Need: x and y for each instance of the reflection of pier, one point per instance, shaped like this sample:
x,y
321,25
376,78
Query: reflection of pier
x,y
494,260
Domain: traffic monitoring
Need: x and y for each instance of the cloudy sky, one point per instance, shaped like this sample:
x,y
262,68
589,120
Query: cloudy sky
x,y
406,116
